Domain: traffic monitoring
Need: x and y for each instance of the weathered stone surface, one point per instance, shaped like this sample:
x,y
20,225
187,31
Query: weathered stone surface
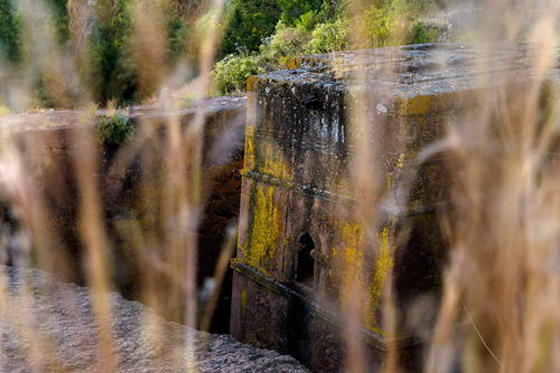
x,y
297,182
39,311
131,179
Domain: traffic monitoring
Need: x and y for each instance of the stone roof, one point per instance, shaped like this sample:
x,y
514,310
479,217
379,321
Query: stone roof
x,y
408,71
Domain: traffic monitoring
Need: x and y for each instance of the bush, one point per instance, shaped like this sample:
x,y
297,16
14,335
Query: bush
x,y
10,49
421,33
247,23
379,25
179,34
329,37
394,22
111,55
114,71
286,43
115,130
293,10
307,20
60,19
231,73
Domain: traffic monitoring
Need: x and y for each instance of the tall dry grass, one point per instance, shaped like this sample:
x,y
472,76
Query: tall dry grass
x,y
167,244
499,307
499,310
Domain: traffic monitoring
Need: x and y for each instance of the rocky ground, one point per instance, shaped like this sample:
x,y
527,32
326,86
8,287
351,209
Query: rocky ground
x,y
47,325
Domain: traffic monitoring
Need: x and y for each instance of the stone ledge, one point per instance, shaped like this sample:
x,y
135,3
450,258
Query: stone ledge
x,y
57,317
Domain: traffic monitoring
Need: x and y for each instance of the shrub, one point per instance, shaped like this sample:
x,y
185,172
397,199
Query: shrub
x,y
60,19
251,22
179,34
110,50
286,43
307,20
115,130
231,73
9,32
114,71
379,25
329,37
247,23
421,33
394,22
293,10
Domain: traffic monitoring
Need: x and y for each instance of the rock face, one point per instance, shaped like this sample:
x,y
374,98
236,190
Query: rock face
x,y
132,181
49,325
302,233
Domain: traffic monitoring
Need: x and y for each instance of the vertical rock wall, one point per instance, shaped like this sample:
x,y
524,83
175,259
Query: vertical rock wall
x,y
298,198
130,179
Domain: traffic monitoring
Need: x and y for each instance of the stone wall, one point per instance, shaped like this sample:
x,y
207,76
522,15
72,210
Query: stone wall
x,y
131,182
299,206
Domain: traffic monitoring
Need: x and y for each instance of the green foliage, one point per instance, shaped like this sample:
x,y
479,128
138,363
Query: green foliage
x,y
318,26
330,37
114,71
307,20
178,32
421,33
394,22
378,25
115,130
286,43
231,73
60,19
10,49
110,50
248,22
293,10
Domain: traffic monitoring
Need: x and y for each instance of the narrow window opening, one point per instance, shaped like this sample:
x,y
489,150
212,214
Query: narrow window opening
x,y
305,261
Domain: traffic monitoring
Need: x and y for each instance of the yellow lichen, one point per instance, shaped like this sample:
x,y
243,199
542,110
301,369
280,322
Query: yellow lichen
x,y
417,105
252,82
249,160
350,254
424,104
383,266
270,157
389,180
273,162
265,230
